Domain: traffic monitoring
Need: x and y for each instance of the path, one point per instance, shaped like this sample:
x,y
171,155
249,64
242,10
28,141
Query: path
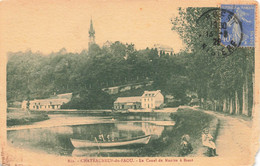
x,y
234,138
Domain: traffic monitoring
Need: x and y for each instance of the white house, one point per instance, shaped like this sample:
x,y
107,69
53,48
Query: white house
x,y
53,103
152,99
164,49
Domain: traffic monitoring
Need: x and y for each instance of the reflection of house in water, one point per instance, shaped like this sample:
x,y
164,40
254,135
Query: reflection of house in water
x,y
48,104
129,126
150,129
133,129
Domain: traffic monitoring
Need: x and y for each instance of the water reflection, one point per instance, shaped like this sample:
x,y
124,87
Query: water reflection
x,y
56,140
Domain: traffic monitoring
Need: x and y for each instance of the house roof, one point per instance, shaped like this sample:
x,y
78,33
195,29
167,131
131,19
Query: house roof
x,y
107,43
163,47
151,93
49,101
54,100
128,99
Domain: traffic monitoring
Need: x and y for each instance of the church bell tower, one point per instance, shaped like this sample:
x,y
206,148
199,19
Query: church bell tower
x,y
91,34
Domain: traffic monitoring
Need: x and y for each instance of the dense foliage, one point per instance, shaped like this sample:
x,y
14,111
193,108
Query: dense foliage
x,y
169,142
33,75
222,83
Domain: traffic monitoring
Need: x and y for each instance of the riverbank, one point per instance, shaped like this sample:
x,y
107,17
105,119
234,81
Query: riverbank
x,y
235,136
188,122
20,117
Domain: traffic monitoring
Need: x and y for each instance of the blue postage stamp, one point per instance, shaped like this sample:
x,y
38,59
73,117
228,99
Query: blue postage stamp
x,y
238,25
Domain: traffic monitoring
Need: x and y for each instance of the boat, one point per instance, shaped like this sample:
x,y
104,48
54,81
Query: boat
x,y
77,143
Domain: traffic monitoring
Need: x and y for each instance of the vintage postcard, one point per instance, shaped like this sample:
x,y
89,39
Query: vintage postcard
x,y
119,82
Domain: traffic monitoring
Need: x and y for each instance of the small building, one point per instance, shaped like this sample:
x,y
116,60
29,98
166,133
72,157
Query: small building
x,y
125,88
169,98
107,44
123,103
163,49
111,90
152,99
53,103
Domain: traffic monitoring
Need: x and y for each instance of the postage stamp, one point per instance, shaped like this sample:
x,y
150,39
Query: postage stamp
x,y
94,82
238,25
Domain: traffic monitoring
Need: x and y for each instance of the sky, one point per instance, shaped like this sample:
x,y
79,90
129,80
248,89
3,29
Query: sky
x,y
49,25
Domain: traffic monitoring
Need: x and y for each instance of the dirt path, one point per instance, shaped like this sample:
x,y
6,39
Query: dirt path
x,y
234,138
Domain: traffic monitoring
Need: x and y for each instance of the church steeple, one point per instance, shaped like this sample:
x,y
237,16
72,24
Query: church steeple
x,y
91,34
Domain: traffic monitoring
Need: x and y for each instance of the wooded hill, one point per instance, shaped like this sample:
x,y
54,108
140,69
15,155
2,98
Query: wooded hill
x,y
222,83
33,75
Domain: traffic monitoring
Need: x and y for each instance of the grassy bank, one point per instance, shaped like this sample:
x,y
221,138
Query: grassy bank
x,y
19,117
187,122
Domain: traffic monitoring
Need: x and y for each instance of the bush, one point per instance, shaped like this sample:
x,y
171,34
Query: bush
x,y
89,99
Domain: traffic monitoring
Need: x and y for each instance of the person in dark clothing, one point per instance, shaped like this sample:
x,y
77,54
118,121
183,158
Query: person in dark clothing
x,y
186,147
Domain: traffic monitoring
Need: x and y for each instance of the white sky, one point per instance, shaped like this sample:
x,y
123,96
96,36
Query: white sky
x,y
49,25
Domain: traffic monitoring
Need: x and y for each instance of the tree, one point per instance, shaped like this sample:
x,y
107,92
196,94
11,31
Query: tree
x,y
221,82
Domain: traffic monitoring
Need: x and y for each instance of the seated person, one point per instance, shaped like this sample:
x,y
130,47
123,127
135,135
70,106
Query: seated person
x,y
207,140
101,137
108,138
186,147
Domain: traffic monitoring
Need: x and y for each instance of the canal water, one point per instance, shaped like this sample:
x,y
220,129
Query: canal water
x,y
53,136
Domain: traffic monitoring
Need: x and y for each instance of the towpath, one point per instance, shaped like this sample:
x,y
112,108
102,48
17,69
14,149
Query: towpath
x,y
234,140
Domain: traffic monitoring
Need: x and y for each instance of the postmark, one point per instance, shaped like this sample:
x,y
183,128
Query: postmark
x,y
230,29
218,40
238,25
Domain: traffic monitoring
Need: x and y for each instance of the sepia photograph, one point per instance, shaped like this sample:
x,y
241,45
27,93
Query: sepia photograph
x,y
129,82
